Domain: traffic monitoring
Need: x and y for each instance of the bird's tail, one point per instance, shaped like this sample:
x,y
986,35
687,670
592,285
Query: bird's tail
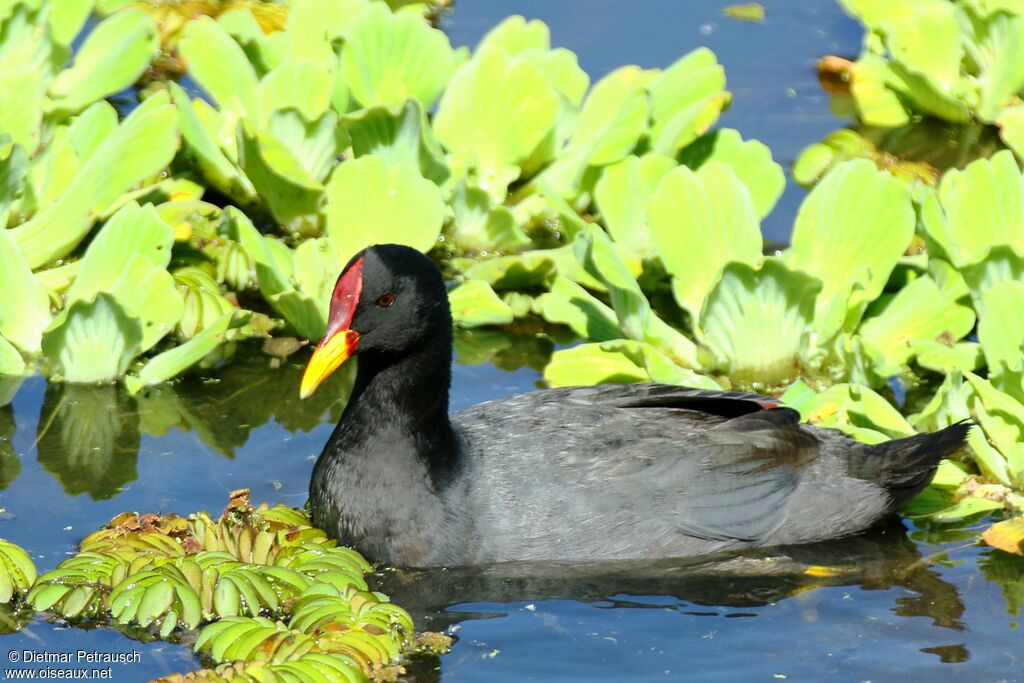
x,y
905,466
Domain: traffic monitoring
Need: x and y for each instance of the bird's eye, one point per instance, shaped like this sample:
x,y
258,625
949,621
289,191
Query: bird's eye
x,y
386,300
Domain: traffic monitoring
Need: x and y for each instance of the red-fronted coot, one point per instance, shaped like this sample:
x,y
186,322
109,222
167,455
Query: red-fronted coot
x,y
576,474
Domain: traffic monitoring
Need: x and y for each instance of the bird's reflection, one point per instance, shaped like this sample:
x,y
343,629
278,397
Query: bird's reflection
x,y
880,559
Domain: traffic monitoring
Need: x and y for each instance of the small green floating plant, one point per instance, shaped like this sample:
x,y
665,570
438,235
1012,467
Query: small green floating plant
x,y
277,600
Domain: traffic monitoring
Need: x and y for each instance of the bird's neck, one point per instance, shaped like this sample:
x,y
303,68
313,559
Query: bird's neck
x,y
394,438
404,397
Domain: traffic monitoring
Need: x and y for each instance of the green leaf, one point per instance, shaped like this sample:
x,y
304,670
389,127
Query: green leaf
x,y
173,362
21,107
111,59
622,195
569,304
1001,58
516,35
215,166
849,233
982,206
496,111
300,85
13,168
480,225
11,362
636,319
95,342
17,572
143,145
621,361
1001,324
700,222
750,160
928,43
849,407
879,14
917,312
613,117
370,201
686,100
133,230
944,358
877,103
402,138
474,304
280,179
218,64
1011,128
89,129
774,306
67,20
314,144
274,270
965,508
389,58
25,305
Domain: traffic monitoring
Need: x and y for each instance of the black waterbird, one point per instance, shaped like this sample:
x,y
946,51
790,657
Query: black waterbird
x,y
610,472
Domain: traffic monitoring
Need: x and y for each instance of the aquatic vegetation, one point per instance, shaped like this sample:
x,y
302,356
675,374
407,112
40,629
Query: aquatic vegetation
x,y
814,308
237,574
328,126
951,60
17,572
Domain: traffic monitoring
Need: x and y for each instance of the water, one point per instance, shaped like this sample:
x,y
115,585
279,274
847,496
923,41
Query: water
x,y
885,605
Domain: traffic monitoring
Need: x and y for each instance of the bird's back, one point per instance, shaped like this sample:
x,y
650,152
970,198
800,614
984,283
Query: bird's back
x,y
643,471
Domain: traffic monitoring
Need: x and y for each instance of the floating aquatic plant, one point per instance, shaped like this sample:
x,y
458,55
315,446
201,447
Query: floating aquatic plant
x,y
954,61
169,573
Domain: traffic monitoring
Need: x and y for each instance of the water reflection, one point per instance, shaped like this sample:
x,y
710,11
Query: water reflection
x,y
879,560
88,437
1006,571
10,464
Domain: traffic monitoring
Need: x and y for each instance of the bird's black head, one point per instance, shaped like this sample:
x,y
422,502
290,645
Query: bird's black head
x,y
389,300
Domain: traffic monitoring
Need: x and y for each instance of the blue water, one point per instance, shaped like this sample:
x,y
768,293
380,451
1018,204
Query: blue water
x,y
925,607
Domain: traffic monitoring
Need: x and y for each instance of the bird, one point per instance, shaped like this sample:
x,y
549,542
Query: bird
x,y
573,474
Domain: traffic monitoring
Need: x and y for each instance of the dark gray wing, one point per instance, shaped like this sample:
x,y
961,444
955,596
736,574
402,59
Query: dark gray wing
x,y
751,466
730,481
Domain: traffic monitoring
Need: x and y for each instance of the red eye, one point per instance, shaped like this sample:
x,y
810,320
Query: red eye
x,y
386,300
